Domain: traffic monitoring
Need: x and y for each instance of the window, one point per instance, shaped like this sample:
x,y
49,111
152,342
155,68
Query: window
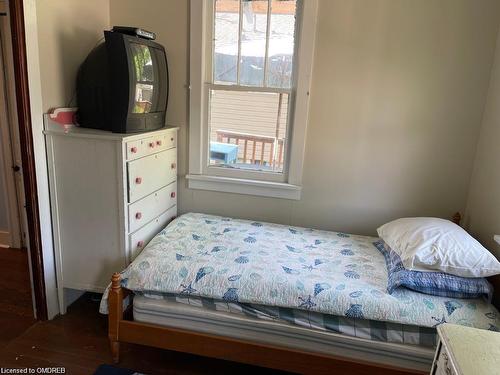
x,y
250,68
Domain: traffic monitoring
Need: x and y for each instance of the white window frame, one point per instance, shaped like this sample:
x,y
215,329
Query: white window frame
x,y
201,175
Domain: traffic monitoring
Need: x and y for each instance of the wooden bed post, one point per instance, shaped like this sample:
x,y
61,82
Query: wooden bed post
x,y
115,315
457,218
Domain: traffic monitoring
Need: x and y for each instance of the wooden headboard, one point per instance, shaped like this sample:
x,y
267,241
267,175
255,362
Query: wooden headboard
x,y
494,280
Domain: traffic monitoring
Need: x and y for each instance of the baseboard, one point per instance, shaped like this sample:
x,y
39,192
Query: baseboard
x,y
4,239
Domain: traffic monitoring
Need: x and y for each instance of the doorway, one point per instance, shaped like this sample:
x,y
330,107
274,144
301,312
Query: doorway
x,y
12,233
16,297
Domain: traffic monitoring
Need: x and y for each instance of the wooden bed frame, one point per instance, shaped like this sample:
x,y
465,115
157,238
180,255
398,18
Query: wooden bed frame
x,y
280,358
121,329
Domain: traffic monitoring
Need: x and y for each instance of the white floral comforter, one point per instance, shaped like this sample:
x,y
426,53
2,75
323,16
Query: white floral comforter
x,y
261,263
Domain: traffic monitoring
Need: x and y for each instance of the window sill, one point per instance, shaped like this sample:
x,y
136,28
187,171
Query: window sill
x,y
243,186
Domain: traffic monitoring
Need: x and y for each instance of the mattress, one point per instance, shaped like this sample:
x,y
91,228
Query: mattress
x,y
246,262
237,322
353,327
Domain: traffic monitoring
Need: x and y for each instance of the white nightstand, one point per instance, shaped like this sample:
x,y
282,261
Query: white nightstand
x,y
465,350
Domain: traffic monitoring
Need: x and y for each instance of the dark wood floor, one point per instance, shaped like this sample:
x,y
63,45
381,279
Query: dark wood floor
x,y
16,309
78,342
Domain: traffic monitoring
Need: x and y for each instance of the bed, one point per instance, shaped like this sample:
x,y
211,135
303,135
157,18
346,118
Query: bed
x,y
283,297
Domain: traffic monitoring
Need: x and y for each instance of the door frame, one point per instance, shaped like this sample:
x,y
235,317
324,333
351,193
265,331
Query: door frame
x,y
19,53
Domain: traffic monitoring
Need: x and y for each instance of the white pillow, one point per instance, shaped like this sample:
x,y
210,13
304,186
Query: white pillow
x,y
432,244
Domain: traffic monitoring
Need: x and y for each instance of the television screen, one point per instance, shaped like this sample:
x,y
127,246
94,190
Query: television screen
x,y
142,59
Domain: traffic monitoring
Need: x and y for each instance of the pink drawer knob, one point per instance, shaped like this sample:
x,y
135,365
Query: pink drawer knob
x,y
172,194
151,144
138,215
138,180
133,150
173,165
158,143
140,244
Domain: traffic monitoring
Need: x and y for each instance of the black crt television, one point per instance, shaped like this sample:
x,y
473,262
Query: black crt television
x,y
122,85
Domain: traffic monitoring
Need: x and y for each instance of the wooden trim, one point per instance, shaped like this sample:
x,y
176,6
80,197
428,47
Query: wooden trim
x,y
28,158
207,345
457,218
244,186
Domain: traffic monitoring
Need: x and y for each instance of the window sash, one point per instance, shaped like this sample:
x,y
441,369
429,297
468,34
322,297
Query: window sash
x,y
210,37
242,173
272,175
210,85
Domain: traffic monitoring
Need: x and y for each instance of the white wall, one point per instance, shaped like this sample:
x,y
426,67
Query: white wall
x,y
483,209
67,32
396,103
59,34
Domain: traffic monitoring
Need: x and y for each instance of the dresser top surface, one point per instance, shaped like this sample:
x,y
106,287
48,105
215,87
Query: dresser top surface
x,y
474,351
102,134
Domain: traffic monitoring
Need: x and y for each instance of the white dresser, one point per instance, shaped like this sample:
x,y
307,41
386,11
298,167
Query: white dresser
x,y
466,351
110,195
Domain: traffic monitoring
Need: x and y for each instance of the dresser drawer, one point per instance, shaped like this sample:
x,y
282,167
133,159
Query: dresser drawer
x,y
149,207
151,173
151,145
139,239
137,149
163,141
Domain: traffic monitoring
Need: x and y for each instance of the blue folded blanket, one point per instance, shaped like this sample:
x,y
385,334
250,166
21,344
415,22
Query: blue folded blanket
x,y
434,283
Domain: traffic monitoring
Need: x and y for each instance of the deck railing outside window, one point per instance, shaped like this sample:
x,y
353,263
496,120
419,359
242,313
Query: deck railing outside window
x,y
254,149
